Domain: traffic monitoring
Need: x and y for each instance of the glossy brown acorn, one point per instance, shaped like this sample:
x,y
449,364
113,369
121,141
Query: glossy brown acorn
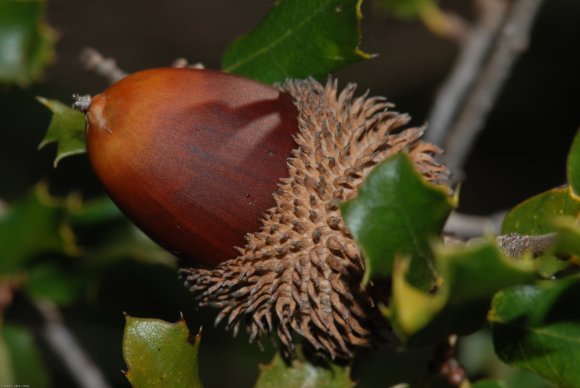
x,y
192,156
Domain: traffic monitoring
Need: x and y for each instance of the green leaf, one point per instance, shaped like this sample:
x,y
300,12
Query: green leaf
x,y
302,374
96,212
33,225
573,167
397,212
489,383
160,354
406,8
21,358
107,236
62,285
535,215
567,238
26,41
537,328
470,277
67,129
297,39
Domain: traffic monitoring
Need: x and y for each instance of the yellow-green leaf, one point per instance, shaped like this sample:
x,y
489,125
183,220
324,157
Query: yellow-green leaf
x,y
160,354
67,129
299,373
536,215
470,277
573,168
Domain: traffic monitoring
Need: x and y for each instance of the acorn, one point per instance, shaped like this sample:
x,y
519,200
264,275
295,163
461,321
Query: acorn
x,y
243,181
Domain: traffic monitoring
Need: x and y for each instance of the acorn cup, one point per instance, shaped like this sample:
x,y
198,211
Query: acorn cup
x,y
243,182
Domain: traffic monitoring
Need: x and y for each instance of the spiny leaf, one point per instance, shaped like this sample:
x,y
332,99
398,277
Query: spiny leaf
x,y
297,39
26,41
160,354
300,373
537,328
397,212
67,129
470,277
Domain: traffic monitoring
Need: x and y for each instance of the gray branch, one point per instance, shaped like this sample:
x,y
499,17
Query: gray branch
x,y
62,342
467,67
468,226
513,40
107,68
515,245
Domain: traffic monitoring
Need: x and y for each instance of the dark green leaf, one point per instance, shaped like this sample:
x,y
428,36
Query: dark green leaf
x,y
160,354
20,361
67,129
397,212
535,215
297,39
107,236
33,225
470,277
537,328
62,285
302,374
573,167
95,212
26,41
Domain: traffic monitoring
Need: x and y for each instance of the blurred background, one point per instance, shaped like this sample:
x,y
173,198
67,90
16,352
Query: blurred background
x,y
521,151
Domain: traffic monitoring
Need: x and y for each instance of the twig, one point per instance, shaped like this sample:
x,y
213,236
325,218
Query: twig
x,y
515,245
469,62
466,226
443,363
94,62
66,347
512,244
512,41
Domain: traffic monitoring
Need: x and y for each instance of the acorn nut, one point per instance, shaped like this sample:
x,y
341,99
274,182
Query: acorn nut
x,y
204,162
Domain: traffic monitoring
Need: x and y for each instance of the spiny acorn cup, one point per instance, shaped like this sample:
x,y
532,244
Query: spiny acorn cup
x,y
243,181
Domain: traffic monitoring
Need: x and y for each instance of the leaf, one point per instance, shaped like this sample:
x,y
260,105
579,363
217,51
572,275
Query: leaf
x,y
300,373
406,8
573,168
537,328
297,39
107,236
489,383
67,129
26,41
62,285
535,215
19,353
396,212
160,354
567,238
33,225
470,277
